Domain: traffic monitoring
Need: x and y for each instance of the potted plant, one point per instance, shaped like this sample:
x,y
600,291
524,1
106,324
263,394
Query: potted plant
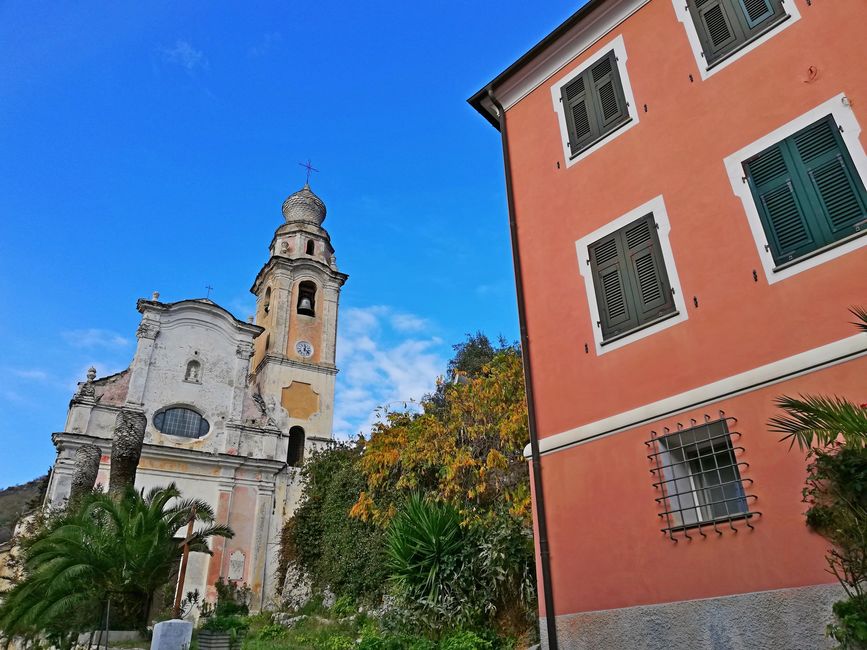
x,y
224,626
222,632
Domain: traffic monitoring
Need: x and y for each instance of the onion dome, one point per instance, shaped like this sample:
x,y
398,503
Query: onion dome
x,y
304,205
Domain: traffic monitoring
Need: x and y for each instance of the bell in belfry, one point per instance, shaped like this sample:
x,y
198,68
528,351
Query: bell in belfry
x,y
305,306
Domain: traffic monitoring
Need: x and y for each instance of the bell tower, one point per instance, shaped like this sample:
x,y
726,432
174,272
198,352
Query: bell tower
x,y
297,293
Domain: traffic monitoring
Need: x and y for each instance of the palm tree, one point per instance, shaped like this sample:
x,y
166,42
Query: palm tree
x,y
813,420
115,551
833,432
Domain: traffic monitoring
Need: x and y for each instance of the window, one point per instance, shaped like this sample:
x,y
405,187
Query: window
x,y
266,304
307,298
725,26
295,453
698,473
180,421
594,104
629,278
310,247
807,191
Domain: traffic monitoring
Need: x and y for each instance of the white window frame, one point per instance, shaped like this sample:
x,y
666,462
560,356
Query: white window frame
x,y
660,216
683,15
556,93
839,107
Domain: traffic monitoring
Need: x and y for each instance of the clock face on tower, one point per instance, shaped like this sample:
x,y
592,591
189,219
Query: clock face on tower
x,y
304,349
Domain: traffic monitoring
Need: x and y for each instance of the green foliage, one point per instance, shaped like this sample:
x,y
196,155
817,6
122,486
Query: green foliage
x,y
343,606
425,551
465,640
118,550
232,599
833,431
813,420
850,630
272,632
460,551
448,575
231,623
334,550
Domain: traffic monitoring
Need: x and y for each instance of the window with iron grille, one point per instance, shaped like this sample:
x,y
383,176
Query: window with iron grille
x,y
808,192
630,280
698,474
180,421
594,104
725,26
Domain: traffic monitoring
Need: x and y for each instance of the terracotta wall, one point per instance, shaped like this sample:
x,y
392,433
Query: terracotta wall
x,y
677,150
606,545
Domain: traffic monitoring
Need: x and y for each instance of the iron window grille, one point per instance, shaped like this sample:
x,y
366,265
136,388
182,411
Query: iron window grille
x,y
183,422
697,470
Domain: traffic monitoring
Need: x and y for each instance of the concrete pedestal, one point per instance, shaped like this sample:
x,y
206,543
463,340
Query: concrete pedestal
x,y
172,635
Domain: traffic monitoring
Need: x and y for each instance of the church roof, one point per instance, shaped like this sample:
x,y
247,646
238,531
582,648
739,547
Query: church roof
x,y
304,205
255,330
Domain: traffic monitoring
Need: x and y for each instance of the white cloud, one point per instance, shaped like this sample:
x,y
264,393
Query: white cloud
x,y
31,373
185,55
94,338
409,323
381,365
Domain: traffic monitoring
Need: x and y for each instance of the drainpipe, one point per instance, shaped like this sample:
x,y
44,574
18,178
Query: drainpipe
x,y
535,456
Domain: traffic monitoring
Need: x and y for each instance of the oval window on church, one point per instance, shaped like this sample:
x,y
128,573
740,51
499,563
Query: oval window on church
x,y
180,421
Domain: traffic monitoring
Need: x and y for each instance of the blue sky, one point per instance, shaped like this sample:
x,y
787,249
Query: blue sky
x,y
148,147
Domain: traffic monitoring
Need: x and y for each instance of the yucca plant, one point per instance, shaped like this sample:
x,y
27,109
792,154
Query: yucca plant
x,y
107,553
424,544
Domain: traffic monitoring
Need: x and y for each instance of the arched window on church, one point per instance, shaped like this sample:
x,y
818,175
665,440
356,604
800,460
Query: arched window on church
x,y
194,372
310,247
266,304
307,298
296,447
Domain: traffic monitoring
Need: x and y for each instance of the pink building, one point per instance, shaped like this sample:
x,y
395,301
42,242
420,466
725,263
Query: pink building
x,y
686,185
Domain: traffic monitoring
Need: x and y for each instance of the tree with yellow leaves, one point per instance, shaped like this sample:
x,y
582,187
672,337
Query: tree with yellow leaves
x,y
464,448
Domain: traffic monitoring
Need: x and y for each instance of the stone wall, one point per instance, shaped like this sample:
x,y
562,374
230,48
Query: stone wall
x,y
783,619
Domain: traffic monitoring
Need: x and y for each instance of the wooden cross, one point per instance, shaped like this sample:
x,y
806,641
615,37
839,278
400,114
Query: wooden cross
x,y
176,610
309,168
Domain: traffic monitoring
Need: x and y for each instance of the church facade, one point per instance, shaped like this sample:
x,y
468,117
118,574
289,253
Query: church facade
x,y
232,407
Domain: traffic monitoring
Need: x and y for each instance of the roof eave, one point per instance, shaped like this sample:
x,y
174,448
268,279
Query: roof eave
x,y
476,100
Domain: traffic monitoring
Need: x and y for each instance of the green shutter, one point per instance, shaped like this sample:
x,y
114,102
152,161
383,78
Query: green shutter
x,y
629,278
717,31
594,103
807,191
578,107
756,12
840,197
649,279
780,204
723,26
613,294
610,104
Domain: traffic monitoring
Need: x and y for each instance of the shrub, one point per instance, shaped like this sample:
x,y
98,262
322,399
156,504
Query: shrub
x,y
850,630
332,549
465,640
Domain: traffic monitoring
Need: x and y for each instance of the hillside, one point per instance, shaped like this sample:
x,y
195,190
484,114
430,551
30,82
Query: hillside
x,y
16,500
